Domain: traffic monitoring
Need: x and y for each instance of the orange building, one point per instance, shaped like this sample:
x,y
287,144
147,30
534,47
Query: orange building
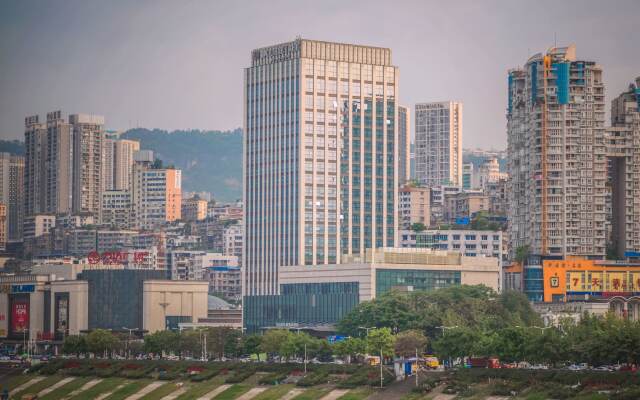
x,y
581,279
173,190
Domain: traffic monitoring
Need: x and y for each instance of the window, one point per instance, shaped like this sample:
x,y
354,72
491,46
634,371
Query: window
x,y
331,69
356,89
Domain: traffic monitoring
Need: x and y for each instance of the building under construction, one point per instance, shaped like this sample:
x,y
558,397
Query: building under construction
x,y
557,156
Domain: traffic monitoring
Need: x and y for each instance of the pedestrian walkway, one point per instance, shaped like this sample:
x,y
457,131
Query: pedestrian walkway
x,y
252,393
56,385
26,385
173,395
335,394
105,395
82,388
292,394
146,390
214,392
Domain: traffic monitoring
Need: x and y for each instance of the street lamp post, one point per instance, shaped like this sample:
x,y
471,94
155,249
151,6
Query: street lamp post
x,y
126,349
443,330
417,367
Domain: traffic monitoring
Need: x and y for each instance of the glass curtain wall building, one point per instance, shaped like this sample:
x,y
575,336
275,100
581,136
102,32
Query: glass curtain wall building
x,y
320,156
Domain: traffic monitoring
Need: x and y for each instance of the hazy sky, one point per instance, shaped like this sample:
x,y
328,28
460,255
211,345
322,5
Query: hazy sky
x,y
178,64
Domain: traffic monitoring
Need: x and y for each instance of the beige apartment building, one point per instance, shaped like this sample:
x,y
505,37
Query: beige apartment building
x,y
557,155
3,226
157,197
12,192
118,163
194,209
623,144
414,206
464,205
58,164
88,141
438,143
63,164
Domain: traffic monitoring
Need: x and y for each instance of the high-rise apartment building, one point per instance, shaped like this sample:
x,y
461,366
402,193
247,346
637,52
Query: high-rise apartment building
x,y
557,155
35,144
156,196
12,192
439,143
118,162
321,156
3,227
623,141
63,164
88,140
58,164
404,145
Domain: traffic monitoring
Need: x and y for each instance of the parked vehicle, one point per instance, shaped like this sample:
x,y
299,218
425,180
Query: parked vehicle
x,y
431,362
483,362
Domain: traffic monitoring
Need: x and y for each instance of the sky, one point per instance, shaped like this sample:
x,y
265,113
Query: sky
x,y
178,64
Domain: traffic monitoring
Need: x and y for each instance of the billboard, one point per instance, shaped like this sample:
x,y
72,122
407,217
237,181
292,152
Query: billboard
x,y
563,278
61,317
19,316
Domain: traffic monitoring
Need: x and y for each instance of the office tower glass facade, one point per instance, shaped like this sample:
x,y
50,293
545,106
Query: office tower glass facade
x,y
320,175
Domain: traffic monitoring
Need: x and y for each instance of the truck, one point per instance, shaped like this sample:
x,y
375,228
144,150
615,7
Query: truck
x,y
483,362
431,361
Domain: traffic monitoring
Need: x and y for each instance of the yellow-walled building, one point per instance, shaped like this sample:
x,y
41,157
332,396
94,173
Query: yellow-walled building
x,y
581,279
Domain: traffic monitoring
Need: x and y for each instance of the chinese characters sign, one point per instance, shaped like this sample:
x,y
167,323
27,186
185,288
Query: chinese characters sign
x,y
116,257
20,316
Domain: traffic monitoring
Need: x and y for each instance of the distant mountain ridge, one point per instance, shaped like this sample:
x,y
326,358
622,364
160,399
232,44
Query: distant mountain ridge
x,y
210,160
12,147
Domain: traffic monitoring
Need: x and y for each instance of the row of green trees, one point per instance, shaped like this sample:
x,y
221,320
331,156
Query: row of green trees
x,y
452,322
475,321
220,342
229,343
593,340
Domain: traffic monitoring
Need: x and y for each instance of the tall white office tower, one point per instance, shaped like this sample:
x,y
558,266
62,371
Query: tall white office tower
x,y
320,154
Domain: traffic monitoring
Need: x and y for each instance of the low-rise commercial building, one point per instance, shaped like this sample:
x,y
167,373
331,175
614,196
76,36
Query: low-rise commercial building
x,y
44,309
577,279
468,242
321,295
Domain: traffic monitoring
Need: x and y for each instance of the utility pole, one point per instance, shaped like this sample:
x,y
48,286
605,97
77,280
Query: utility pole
x,y
380,367
305,359
417,367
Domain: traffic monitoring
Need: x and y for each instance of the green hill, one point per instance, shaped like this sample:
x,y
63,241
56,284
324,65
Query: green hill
x,y
12,147
210,160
